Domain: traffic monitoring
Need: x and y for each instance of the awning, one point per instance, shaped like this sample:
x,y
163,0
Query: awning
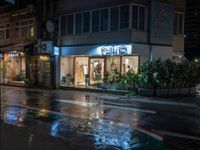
x,y
13,47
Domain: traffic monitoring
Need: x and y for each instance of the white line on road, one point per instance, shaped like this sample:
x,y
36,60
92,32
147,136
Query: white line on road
x,y
179,135
91,104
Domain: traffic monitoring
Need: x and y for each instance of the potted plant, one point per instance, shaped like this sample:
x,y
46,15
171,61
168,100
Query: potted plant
x,y
4,71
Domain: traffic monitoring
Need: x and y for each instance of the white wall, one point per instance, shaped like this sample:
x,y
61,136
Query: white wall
x,y
162,52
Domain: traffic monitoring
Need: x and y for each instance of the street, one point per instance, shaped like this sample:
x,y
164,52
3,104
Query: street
x,y
39,119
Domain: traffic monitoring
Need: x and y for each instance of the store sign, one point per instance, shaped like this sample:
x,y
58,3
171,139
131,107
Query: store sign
x,y
115,50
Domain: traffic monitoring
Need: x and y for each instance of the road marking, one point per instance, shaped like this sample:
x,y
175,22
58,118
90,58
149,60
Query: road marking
x,y
81,103
180,135
165,102
91,104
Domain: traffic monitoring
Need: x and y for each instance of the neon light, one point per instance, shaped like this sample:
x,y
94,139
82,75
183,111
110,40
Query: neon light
x,y
115,50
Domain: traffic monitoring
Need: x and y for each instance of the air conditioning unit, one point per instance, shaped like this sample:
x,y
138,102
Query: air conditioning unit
x,y
46,46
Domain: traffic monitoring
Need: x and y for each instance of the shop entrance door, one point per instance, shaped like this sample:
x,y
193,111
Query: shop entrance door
x,y
96,70
40,71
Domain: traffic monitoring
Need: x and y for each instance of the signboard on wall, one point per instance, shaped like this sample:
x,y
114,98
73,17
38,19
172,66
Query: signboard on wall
x,y
161,23
115,50
43,48
123,49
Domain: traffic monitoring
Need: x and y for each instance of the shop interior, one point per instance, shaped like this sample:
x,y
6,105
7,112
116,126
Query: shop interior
x,y
15,67
40,70
86,70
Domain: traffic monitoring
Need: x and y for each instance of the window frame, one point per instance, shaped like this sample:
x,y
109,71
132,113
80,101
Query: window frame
x,y
5,29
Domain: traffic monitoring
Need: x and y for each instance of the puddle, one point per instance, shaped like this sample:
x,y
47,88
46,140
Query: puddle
x,y
79,133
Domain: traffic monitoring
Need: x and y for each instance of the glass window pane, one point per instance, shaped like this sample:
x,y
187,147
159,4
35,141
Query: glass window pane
x,y
130,63
96,70
70,24
63,25
95,21
135,17
114,19
81,70
124,17
141,18
180,24
175,23
104,20
78,25
113,65
86,22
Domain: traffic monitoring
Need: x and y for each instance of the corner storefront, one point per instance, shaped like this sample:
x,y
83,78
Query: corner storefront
x,y
89,65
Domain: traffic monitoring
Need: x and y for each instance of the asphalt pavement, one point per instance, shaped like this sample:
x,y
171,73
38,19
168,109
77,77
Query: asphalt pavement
x,y
47,119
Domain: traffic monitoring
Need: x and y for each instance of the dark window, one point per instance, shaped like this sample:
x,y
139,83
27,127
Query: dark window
x,y
141,18
63,25
135,17
175,23
181,23
78,25
104,20
114,19
70,24
124,17
95,21
86,22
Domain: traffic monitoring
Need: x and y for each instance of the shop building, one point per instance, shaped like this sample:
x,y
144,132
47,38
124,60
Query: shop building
x,y
104,38
17,30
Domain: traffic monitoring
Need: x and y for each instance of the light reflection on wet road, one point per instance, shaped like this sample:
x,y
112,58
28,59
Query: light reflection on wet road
x,y
40,119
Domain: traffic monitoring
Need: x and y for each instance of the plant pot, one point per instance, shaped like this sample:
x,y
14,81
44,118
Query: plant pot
x,y
162,92
146,92
173,92
184,91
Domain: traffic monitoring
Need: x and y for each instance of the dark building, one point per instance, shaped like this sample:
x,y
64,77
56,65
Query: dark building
x,y
85,41
192,29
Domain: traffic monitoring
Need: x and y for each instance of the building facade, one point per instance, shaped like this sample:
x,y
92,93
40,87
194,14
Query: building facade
x,y
17,30
192,29
78,43
100,38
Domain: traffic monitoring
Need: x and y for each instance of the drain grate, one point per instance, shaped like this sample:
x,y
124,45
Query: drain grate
x,y
177,143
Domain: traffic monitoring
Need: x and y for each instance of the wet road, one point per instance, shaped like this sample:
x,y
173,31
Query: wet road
x,y
34,119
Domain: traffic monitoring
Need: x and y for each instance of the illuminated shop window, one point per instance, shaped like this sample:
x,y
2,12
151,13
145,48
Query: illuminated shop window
x,y
129,63
81,70
96,70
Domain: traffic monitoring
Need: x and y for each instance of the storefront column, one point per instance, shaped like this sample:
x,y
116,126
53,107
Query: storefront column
x,y
55,71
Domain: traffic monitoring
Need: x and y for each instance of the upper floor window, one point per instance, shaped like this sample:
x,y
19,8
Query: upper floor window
x,y
124,17
114,19
63,25
24,29
178,23
104,20
86,22
95,21
4,31
78,24
70,24
138,17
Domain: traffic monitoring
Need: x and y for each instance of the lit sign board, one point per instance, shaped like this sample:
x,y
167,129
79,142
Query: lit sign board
x,y
56,51
115,50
